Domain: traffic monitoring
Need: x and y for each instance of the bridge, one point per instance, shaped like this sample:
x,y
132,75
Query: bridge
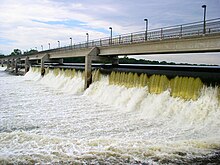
x,y
194,37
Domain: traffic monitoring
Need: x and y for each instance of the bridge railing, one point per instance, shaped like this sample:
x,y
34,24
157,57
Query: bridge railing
x,y
165,33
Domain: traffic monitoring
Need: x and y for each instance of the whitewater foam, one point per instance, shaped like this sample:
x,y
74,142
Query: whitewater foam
x,y
137,99
52,120
58,81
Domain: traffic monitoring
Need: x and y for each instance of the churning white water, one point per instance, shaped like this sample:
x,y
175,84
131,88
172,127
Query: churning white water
x,y
52,120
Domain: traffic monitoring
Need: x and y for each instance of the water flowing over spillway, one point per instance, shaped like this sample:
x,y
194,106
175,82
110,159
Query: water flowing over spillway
x,y
120,119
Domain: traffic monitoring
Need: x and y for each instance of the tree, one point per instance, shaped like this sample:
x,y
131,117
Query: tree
x,y
32,51
1,55
16,52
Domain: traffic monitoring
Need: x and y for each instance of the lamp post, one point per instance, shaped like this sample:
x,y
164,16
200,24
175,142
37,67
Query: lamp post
x,y
87,39
58,44
146,28
71,41
204,20
36,48
42,47
49,45
110,35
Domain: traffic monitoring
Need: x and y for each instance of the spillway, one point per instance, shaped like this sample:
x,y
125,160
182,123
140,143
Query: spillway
x,y
122,118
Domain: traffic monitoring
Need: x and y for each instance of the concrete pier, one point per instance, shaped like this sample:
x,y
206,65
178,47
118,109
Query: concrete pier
x,y
93,55
88,65
16,65
8,64
27,64
43,59
13,64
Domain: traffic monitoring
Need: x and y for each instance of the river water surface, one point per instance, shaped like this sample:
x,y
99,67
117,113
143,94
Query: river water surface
x,y
51,120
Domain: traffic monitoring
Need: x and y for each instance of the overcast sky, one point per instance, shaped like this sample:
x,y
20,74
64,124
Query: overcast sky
x,y
26,24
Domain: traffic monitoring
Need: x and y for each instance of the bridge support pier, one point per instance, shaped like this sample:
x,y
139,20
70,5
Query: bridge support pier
x,y
88,65
8,64
13,64
43,59
16,65
26,65
93,56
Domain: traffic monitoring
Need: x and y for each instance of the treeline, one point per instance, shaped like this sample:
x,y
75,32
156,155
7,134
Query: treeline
x,y
18,52
126,60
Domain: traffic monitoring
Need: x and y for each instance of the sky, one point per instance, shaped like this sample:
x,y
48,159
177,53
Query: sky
x,y
28,24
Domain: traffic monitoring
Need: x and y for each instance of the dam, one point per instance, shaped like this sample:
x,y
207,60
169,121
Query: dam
x,y
119,115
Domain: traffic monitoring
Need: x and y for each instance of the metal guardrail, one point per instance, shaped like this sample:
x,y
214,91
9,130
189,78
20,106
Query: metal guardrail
x,y
171,32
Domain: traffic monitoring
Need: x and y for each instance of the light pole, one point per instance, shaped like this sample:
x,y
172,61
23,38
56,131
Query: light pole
x,y
110,35
42,47
58,44
87,39
36,48
49,45
71,41
146,28
204,20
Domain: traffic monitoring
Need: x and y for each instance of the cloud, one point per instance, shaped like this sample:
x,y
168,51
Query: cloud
x,y
29,24
26,24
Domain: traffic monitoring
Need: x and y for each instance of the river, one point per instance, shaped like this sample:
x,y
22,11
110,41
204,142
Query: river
x,y
52,120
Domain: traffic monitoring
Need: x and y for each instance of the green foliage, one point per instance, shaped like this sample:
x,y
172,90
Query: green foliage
x,y
32,51
16,52
126,60
2,55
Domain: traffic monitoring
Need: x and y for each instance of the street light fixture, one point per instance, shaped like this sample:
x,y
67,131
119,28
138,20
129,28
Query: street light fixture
x,y
87,39
71,41
58,44
49,45
204,20
42,47
36,48
146,28
110,35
